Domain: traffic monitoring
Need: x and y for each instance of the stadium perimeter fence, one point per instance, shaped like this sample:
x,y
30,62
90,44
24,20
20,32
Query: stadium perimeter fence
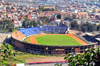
x,y
47,63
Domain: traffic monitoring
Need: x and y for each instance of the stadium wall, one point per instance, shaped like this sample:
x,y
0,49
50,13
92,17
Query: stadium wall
x,y
44,49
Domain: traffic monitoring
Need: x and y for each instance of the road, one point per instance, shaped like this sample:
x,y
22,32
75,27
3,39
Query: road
x,y
3,35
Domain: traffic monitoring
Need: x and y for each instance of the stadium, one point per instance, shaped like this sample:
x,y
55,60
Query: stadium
x,y
48,40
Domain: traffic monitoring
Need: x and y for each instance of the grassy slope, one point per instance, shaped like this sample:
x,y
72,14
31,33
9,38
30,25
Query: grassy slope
x,y
20,57
56,40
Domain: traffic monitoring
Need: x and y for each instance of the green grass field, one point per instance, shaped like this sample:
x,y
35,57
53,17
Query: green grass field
x,y
27,39
55,40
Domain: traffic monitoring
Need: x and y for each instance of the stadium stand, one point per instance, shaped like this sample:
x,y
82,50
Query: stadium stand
x,y
59,29
48,29
83,39
18,35
91,38
30,31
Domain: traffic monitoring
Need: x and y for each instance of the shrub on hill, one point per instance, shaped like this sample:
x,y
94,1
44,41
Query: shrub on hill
x,y
91,57
7,55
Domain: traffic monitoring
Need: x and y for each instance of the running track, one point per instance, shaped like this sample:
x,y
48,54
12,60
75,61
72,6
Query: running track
x,y
33,40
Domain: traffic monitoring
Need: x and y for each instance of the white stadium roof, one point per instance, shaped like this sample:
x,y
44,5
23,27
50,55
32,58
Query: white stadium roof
x,y
89,34
97,39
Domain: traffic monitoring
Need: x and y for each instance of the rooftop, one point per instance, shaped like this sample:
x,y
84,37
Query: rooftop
x,y
97,39
89,34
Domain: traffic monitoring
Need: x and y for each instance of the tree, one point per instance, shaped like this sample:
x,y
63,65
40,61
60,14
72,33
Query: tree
x,y
6,52
1,24
7,25
59,16
98,28
77,26
84,28
30,24
57,64
47,9
7,8
88,27
94,27
35,24
74,25
91,57
38,10
43,8
25,23
44,19
52,9
68,18
11,27
61,24
38,21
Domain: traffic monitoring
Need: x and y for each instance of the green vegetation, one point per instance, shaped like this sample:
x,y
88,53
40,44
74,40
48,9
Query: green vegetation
x,y
89,27
24,56
27,23
58,64
44,19
44,9
27,40
86,27
57,40
7,8
15,29
91,57
6,25
59,16
7,55
74,25
68,18
98,28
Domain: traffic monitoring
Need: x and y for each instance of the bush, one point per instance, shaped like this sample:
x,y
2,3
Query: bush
x,y
91,57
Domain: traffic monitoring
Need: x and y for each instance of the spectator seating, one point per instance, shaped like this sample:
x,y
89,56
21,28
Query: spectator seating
x,y
30,31
18,35
59,29
37,30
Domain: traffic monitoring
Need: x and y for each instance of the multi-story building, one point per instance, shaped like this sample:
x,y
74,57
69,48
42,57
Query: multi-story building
x,y
47,6
82,15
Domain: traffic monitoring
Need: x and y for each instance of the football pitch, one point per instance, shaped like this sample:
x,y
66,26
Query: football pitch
x,y
57,40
